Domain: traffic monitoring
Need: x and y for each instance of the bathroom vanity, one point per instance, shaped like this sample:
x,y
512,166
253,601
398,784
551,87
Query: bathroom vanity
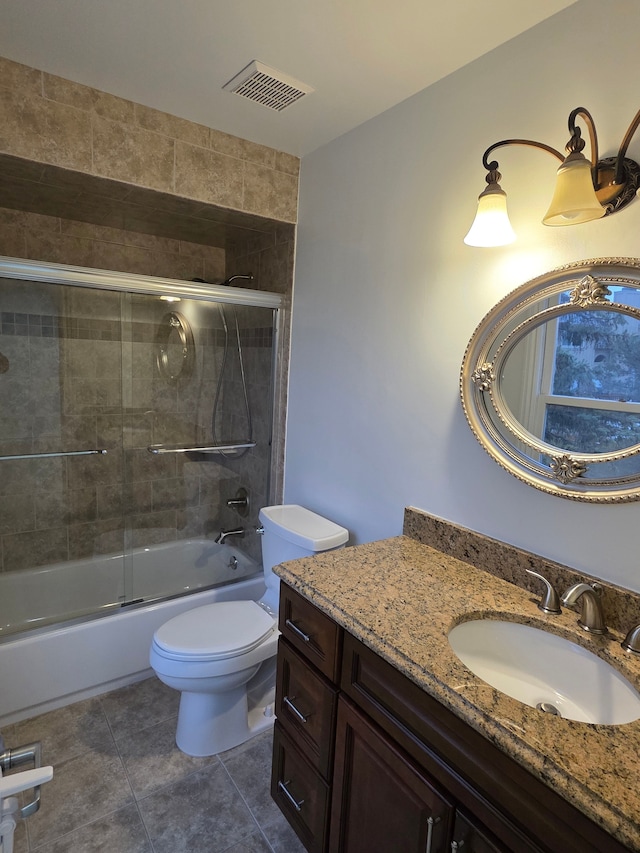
x,y
385,741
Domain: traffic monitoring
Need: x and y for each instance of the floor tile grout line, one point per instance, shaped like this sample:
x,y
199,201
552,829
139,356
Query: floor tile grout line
x,y
103,696
51,841
171,782
120,756
136,798
128,778
119,752
250,810
30,843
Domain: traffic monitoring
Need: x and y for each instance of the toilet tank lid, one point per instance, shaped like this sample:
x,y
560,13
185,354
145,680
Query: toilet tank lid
x,y
303,527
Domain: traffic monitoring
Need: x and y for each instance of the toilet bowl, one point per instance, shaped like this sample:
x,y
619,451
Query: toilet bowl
x,y
221,656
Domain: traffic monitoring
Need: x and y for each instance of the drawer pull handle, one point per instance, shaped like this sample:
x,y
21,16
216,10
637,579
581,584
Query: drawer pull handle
x,y
297,631
294,710
282,786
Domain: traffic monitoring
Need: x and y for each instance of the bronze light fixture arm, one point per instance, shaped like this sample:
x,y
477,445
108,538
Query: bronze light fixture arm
x,y
615,179
576,142
585,189
619,176
492,166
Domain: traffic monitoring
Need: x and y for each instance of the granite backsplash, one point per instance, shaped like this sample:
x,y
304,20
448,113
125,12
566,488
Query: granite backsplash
x,y
621,607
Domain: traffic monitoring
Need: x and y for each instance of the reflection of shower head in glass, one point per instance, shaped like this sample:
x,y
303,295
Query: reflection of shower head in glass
x,y
4,363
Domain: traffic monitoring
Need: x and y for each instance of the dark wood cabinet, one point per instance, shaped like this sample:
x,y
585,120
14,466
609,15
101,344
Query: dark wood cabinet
x,y
367,762
381,801
468,837
307,682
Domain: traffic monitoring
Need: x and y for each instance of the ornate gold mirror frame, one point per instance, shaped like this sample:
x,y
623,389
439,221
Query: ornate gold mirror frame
x,y
550,381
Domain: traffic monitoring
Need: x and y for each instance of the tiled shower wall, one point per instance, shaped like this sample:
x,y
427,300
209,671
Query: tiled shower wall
x,y
80,372
39,237
92,180
123,145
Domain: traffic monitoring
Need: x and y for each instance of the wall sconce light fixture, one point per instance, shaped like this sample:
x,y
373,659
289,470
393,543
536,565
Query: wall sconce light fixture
x,y
584,189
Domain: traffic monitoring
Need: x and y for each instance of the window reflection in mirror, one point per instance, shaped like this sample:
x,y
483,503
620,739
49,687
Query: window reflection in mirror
x,y
550,382
574,382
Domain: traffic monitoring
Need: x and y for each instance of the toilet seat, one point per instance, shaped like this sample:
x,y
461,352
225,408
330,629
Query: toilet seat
x,y
225,629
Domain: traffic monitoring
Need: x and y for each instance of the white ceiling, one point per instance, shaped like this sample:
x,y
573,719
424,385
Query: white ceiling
x,y
360,56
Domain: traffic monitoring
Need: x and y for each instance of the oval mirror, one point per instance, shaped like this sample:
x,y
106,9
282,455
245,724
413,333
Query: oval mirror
x,y
550,381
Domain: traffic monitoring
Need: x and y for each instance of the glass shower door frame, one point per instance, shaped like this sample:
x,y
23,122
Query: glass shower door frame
x,y
169,289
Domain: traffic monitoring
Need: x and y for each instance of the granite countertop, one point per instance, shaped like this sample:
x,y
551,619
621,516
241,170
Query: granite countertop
x,y
401,598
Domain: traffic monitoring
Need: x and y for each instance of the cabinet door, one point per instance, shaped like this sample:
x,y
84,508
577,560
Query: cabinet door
x,y
468,837
381,802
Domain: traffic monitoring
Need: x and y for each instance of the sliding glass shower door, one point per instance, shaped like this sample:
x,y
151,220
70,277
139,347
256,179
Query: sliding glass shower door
x,y
61,451
127,421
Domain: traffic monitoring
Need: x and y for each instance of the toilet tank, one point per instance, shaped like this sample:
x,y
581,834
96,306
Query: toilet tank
x,y
291,531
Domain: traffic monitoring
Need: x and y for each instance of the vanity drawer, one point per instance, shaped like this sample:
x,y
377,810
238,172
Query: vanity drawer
x,y
300,792
306,707
311,632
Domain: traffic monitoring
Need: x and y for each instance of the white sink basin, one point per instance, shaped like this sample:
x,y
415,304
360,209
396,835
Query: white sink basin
x,y
537,667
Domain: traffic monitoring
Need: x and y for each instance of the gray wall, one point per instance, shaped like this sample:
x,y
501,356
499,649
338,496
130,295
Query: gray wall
x,y
387,295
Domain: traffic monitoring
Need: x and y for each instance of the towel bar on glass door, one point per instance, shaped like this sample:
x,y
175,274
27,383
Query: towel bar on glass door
x,y
215,448
102,452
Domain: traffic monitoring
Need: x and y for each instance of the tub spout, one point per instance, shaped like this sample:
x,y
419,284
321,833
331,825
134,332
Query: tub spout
x,y
238,531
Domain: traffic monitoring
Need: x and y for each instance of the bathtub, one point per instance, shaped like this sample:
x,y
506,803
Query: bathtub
x,y
59,663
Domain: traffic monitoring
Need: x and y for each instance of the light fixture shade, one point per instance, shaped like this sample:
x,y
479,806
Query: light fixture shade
x,y
491,227
574,199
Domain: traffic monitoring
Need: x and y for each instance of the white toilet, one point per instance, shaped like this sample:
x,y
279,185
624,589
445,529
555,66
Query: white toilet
x,y
222,656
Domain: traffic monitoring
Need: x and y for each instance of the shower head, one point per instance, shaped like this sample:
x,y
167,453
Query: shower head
x,y
231,278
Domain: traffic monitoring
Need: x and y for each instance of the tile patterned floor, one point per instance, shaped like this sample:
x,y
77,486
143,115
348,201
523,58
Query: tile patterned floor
x,y
121,785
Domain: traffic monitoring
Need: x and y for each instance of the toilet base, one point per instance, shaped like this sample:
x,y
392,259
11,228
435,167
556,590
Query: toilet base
x,y
209,723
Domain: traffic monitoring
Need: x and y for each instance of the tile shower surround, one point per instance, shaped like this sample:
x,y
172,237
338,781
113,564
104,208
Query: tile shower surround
x,y
94,180
61,124
54,510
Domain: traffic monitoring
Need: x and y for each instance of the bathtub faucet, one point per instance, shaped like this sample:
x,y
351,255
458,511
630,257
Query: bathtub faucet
x,y
238,531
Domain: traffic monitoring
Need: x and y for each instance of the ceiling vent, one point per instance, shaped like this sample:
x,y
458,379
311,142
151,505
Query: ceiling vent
x,y
266,86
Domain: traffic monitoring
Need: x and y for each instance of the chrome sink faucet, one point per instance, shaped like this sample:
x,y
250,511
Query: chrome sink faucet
x,y
591,618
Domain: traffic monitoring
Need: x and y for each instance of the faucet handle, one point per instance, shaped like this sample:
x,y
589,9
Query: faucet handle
x,y
550,603
631,642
